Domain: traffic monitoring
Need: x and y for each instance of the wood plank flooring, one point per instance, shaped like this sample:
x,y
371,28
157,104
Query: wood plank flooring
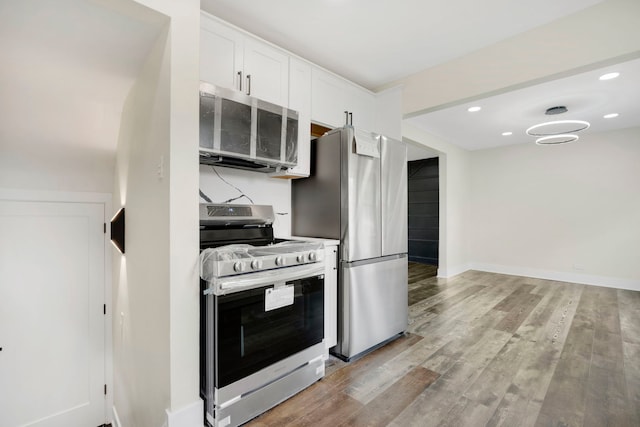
x,y
486,349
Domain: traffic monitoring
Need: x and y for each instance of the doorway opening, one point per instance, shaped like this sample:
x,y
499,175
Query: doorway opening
x,y
424,206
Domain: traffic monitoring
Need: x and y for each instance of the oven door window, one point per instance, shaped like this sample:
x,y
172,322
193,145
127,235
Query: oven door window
x,y
250,338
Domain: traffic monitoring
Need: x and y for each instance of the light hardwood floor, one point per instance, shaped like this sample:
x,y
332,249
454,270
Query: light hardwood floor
x,y
486,349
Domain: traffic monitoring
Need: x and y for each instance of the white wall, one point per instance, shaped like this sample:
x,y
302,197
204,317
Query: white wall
x,y
157,362
262,189
55,168
141,277
584,40
569,212
454,200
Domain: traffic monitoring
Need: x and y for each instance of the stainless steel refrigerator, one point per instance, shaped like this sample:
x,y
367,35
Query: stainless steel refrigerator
x,y
357,193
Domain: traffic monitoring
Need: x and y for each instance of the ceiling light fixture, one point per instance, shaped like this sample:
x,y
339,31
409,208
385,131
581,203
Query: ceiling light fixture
x,y
556,110
474,109
558,127
611,116
556,139
609,76
507,133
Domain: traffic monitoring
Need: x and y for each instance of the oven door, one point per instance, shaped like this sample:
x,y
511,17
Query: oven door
x,y
259,327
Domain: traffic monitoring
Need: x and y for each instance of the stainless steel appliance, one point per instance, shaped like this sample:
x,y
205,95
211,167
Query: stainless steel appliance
x,y
240,131
357,192
262,313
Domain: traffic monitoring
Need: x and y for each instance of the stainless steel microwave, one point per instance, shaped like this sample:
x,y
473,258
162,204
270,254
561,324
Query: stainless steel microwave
x,y
241,131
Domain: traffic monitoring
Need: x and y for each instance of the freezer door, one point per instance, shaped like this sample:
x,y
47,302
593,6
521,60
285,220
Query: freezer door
x,y
374,304
361,223
394,196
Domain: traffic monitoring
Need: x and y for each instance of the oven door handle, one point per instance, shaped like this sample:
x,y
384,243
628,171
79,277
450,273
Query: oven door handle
x,y
242,282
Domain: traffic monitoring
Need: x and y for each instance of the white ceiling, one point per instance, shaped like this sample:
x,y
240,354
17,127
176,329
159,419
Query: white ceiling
x,y
376,42
373,42
585,96
67,67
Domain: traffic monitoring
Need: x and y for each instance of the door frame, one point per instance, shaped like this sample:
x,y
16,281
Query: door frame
x,y
105,199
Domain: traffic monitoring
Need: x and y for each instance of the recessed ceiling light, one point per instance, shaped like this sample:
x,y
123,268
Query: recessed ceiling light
x,y
474,109
609,76
507,133
557,139
610,116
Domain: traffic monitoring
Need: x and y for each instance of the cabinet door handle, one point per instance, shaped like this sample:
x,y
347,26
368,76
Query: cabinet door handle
x,y
248,84
240,81
351,119
346,117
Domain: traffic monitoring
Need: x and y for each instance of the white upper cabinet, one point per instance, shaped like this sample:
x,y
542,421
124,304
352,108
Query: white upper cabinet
x,y
327,99
266,72
389,112
221,54
300,100
361,105
232,59
332,96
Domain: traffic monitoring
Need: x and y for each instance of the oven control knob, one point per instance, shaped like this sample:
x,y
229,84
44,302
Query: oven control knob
x,y
238,266
279,261
300,258
313,256
256,264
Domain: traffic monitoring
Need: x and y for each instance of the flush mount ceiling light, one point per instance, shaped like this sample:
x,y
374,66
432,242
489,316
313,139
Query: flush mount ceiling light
x,y
557,127
556,139
611,116
609,76
507,133
474,109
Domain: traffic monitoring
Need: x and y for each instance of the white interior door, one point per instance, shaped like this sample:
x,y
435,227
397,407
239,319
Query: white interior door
x,y
52,326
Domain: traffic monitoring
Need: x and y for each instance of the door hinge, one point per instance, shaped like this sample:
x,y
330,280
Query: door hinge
x,y
104,309
105,389
104,228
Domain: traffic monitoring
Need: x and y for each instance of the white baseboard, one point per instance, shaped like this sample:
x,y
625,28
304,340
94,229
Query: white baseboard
x,y
116,420
561,276
447,273
191,415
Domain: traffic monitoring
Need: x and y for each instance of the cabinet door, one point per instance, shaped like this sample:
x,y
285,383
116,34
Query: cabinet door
x,y
388,118
221,54
361,103
300,100
266,72
328,98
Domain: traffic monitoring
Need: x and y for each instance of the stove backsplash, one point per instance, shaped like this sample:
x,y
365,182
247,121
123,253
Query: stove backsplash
x,y
250,188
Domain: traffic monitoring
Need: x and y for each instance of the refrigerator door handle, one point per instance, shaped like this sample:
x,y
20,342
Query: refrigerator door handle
x,y
361,262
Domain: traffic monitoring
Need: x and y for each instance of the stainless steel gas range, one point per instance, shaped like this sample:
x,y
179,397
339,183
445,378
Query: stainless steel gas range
x,y
262,313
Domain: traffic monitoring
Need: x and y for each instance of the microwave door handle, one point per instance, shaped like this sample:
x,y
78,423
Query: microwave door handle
x,y
240,81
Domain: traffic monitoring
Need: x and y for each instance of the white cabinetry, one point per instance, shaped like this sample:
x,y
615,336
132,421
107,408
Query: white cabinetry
x,y
300,100
331,96
232,58
221,54
389,112
235,60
